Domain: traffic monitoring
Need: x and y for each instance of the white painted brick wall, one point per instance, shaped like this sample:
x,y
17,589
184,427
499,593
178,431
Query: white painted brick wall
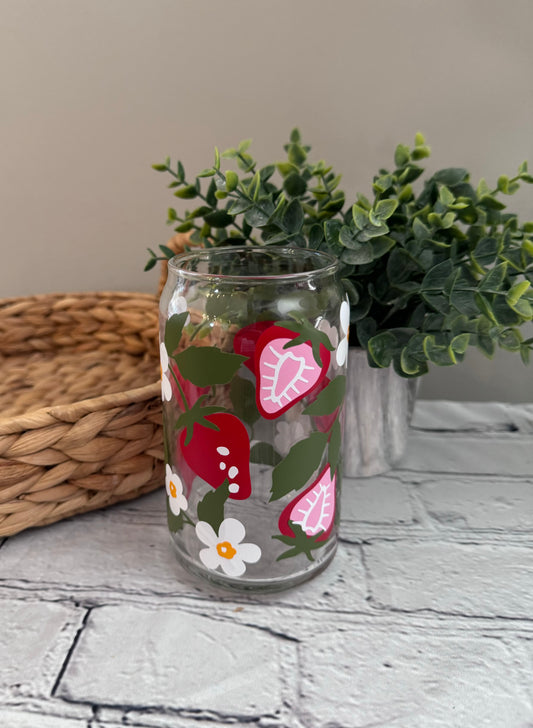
x,y
379,500
423,620
16,719
500,505
156,657
34,638
473,579
360,678
487,454
94,558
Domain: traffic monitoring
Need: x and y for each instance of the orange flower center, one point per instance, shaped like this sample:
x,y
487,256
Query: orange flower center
x,y
172,489
226,550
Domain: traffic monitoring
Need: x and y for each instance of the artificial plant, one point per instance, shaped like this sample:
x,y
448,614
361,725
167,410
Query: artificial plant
x,y
431,264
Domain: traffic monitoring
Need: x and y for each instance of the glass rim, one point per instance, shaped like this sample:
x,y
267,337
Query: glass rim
x,y
329,264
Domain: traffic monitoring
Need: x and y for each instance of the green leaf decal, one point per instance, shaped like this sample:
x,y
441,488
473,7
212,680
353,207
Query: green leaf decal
x,y
263,453
300,543
293,472
196,415
306,334
242,394
207,366
334,447
173,331
329,398
211,507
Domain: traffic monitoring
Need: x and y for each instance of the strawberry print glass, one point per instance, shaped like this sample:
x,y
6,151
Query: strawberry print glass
x,y
252,390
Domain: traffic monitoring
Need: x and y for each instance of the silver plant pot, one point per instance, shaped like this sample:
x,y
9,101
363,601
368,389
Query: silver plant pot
x,y
379,406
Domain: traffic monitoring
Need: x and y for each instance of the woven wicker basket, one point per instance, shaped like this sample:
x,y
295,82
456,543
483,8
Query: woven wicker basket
x,y
80,407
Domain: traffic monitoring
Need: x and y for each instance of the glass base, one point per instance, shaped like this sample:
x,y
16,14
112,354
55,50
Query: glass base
x,y
274,584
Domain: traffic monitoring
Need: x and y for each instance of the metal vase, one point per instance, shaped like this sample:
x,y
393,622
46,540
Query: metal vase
x,y
379,406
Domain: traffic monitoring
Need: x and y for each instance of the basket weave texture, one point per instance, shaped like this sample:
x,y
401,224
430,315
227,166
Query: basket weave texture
x,y
80,404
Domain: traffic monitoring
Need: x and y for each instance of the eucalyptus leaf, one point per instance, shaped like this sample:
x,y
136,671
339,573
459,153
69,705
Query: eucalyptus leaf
x,y
186,193
293,217
382,348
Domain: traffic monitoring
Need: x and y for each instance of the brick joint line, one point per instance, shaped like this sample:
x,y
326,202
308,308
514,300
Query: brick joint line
x,y
70,652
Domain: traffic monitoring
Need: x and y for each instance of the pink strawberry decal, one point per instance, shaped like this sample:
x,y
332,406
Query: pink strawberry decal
x,y
218,451
313,510
285,374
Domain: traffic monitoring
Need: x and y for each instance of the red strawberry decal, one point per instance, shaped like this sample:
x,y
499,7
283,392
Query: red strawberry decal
x,y
313,510
220,452
245,341
285,375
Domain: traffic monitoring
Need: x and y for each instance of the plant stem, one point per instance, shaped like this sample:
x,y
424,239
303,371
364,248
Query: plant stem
x,y
243,160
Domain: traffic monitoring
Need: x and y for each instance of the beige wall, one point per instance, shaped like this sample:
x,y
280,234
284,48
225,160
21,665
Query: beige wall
x,y
93,91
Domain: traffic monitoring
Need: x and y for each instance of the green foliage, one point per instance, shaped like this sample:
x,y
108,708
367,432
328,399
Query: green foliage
x,y
173,331
242,395
196,415
431,264
293,472
299,543
264,453
249,206
207,366
329,399
458,271
306,333
211,508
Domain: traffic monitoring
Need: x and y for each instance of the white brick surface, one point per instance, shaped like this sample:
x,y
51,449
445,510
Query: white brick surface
x,y
34,639
476,580
463,416
17,719
484,455
98,555
92,551
379,499
479,504
394,679
175,659
423,620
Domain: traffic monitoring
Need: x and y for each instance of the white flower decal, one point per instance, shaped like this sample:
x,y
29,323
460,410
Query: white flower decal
x,y
177,500
342,349
226,549
178,304
166,388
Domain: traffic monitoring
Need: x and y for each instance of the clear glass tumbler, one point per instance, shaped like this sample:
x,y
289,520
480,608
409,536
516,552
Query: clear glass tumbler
x,y
253,359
